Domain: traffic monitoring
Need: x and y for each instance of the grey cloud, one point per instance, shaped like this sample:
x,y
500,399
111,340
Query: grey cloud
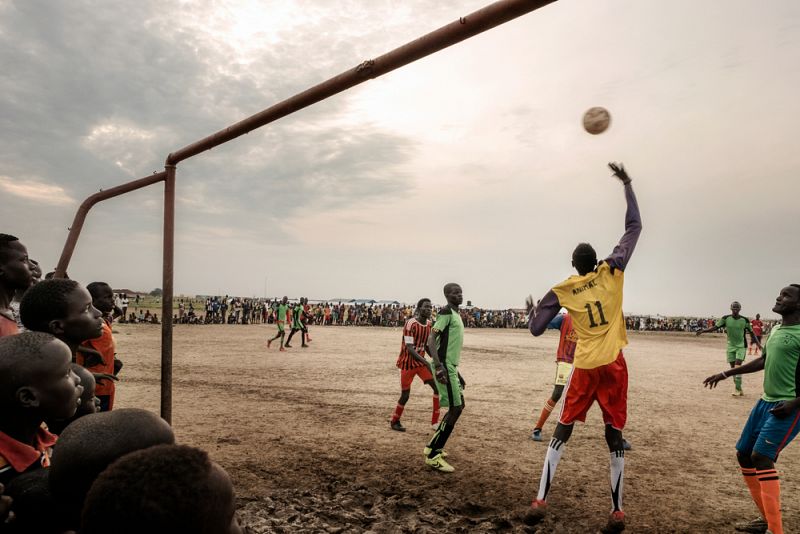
x,y
73,66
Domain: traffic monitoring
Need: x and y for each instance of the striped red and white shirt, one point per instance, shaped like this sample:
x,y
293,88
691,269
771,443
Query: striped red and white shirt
x,y
416,334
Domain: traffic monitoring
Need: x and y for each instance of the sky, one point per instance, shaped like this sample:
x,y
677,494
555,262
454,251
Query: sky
x,y
470,165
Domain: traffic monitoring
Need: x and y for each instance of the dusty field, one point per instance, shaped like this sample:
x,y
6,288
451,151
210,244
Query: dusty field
x,y
305,433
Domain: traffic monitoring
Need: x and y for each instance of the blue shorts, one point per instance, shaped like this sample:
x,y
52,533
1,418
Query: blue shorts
x,y
766,434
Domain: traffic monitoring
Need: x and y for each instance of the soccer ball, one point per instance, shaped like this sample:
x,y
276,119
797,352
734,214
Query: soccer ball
x,y
596,120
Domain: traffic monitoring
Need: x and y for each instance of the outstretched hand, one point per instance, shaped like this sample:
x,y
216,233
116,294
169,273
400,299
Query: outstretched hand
x,y
529,304
619,171
712,381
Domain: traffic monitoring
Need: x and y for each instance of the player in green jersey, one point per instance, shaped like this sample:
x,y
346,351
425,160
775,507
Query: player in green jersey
x,y
735,325
280,320
445,348
775,419
298,313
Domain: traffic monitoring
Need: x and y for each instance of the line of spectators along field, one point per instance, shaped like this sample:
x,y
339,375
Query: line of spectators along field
x,y
238,310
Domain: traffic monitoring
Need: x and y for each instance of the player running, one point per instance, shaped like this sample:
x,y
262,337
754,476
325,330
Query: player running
x,y
412,362
755,340
775,419
593,299
280,321
298,317
735,326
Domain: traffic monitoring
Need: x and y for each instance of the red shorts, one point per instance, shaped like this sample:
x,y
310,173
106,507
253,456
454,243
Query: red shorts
x,y
407,375
607,384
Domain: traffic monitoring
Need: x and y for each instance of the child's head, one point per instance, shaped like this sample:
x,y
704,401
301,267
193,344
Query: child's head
x,y
88,402
34,508
15,267
167,488
36,378
102,296
89,444
63,308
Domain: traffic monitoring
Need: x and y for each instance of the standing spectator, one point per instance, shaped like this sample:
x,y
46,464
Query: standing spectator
x,y
102,299
15,274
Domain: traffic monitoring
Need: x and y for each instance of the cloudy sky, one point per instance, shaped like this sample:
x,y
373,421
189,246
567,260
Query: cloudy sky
x,y
469,165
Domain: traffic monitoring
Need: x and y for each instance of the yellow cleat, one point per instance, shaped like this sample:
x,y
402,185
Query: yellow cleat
x,y
438,463
427,450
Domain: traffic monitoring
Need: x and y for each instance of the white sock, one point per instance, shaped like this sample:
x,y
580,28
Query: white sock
x,y
617,477
554,452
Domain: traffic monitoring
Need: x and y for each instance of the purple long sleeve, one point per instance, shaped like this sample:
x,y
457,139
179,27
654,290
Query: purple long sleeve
x,y
633,227
549,306
547,309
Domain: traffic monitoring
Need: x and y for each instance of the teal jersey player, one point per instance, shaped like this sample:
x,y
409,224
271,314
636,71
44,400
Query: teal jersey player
x,y
774,421
444,345
735,326
280,321
451,336
782,365
296,312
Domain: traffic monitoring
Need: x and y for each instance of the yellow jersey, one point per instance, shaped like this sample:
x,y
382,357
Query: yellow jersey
x,y
594,301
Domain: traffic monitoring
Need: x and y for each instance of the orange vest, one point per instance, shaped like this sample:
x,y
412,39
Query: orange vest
x,y
105,346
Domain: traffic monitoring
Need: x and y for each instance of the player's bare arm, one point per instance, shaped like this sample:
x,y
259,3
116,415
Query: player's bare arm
x,y
753,366
438,368
414,354
708,330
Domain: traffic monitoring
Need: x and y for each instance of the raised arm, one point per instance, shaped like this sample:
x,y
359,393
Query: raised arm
x,y
539,316
633,222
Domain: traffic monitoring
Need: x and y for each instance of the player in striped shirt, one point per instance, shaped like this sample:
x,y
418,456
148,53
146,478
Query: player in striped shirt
x,y
412,362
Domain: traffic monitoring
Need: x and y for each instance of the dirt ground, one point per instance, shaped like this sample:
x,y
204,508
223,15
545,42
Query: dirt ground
x,y
305,434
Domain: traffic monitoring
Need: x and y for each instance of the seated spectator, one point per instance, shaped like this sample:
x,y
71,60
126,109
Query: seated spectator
x,y
167,488
92,443
36,384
